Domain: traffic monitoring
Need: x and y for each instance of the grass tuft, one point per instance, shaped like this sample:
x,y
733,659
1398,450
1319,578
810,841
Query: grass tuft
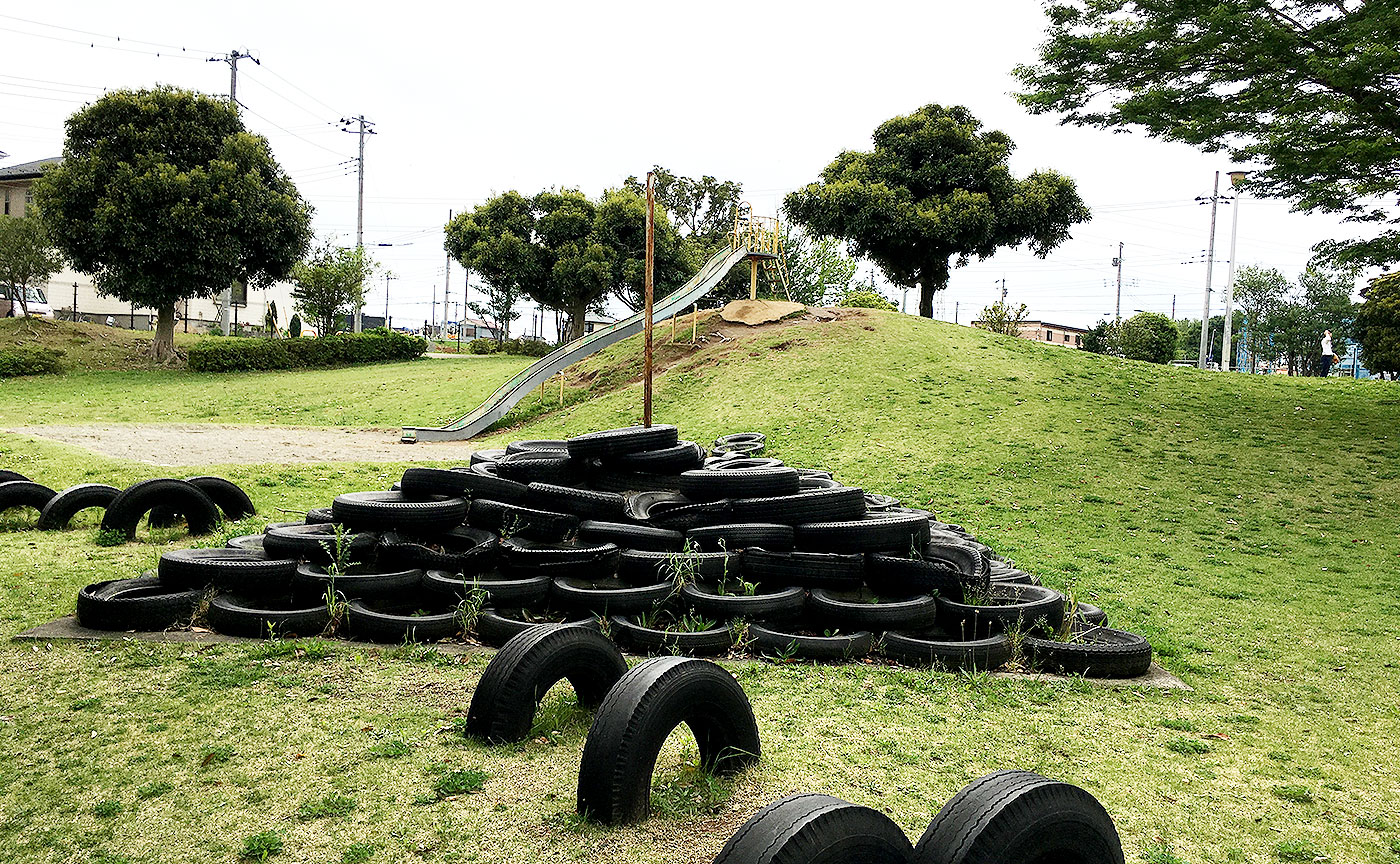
x,y
462,781
1296,794
327,807
261,846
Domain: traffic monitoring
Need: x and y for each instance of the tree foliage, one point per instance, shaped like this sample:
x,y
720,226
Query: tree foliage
x,y
819,268
701,207
861,297
1148,336
1307,90
934,191
1102,338
1003,318
1283,321
27,258
331,283
163,195
1258,292
1378,324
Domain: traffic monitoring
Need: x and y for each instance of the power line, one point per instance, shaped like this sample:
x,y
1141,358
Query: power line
x,y
91,33
184,52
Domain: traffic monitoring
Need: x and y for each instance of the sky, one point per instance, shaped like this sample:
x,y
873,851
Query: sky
x,y
470,99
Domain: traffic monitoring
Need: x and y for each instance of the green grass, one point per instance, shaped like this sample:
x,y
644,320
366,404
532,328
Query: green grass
x,y
86,347
1244,525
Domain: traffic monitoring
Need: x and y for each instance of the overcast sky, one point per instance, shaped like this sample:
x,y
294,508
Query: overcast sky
x,y
469,99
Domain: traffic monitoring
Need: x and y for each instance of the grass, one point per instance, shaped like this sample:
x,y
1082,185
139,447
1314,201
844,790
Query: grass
x,y
86,347
1244,525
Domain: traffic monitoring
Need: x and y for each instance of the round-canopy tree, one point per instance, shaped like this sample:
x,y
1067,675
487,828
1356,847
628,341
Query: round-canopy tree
x,y
1378,323
935,188
163,195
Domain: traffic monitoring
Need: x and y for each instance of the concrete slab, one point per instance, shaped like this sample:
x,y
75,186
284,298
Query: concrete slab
x,y
755,312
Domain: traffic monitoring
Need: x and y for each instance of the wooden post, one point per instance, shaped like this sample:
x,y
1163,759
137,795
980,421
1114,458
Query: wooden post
x,y
694,322
647,325
561,389
753,278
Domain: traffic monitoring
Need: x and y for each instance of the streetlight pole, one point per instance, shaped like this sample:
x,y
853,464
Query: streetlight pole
x,y
1203,357
1236,178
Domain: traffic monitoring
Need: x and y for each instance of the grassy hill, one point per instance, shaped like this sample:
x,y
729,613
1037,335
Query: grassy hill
x,y
1246,525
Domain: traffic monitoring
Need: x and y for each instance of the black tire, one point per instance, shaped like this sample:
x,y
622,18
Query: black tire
x,y
124,512
1094,652
584,503
380,510
503,592
62,507
1012,577
762,605
242,616
1087,613
896,576
426,482
548,446
395,623
1020,816
646,640
628,536
937,647
518,521
498,626
683,456
316,544
808,828
965,558
607,596
808,569
779,641
745,448
540,466
640,567
461,550
506,698
1010,607
821,505
520,551
738,462
25,493
769,536
388,586
617,442
683,517
491,455
899,533
7,476
865,610
143,604
877,503
242,570
627,483
639,712
640,503
711,485
586,569
320,516
246,541
807,484
228,495
741,438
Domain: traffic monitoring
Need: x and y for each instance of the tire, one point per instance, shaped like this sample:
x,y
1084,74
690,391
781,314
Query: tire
x,y
506,698
807,484
640,567
816,829
741,438
501,592
640,504
499,517
711,485
380,510
1012,577
124,512
25,493
627,483
486,456
965,559
877,503
554,446
865,610
242,570
584,503
768,605
62,507
461,550
808,569
395,623
497,626
246,541
240,616
897,577
1095,652
745,448
899,533
1016,606
389,586
607,596
936,647
540,466
11,476
519,551
619,756
738,462
316,544
618,442
1086,613
769,536
320,516
628,536
646,640
683,456
821,505
1020,816
422,483
228,495
142,604
770,639
683,517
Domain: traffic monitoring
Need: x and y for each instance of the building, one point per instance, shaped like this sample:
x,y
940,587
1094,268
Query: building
x,y
1061,335
69,290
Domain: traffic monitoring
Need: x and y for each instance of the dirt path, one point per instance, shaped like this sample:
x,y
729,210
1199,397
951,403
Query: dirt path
x,y
213,444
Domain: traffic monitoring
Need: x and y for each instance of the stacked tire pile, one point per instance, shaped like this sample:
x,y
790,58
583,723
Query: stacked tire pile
x,y
201,501
666,547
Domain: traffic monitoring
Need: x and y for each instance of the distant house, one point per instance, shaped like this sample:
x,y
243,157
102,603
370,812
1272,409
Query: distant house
x,y
592,324
1061,335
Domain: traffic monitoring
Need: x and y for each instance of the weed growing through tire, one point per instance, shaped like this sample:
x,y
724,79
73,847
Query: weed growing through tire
x,y
473,600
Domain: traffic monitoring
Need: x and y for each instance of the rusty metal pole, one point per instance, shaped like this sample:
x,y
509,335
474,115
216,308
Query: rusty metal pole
x,y
646,350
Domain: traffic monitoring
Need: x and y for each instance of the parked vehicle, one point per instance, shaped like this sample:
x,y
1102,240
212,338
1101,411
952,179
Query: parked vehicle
x,y
35,299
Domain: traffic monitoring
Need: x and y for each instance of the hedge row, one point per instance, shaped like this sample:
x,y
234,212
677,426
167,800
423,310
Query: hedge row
x,y
246,355
526,347
29,360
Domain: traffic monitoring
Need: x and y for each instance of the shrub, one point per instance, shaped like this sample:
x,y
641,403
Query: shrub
x,y
247,355
865,298
524,347
1149,336
29,360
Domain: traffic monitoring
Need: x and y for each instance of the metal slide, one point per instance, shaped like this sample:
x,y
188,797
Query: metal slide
x,y
532,376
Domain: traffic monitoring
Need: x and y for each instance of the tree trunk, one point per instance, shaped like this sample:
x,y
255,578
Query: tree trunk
x,y
163,345
931,279
576,319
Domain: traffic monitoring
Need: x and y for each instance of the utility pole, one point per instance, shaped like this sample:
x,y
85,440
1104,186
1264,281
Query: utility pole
x,y
1204,357
365,127
1173,307
447,280
956,304
646,321
434,309
1002,283
1236,177
1118,303
387,277
231,58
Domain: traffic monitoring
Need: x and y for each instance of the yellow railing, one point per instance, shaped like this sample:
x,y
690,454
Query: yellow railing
x,y
761,234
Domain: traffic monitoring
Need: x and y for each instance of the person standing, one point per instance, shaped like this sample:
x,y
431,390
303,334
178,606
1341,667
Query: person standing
x,y
1327,355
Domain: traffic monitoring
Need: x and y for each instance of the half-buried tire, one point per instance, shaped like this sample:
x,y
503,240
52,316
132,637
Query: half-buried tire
x,y
816,829
1092,651
504,703
614,777
125,511
65,505
1020,816
260,618
25,493
143,604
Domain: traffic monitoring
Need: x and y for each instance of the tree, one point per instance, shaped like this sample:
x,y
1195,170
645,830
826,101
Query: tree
x,y
818,268
703,206
494,239
330,283
1257,292
935,190
1378,323
1308,90
621,226
27,258
1148,336
499,309
1102,339
162,195
1002,318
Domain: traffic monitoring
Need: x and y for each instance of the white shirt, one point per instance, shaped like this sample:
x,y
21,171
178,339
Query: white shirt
x,y
1327,346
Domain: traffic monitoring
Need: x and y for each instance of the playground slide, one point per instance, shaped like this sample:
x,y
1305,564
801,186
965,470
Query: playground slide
x,y
525,381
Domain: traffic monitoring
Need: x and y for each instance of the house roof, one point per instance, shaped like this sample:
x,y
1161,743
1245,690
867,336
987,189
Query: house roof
x,y
28,170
